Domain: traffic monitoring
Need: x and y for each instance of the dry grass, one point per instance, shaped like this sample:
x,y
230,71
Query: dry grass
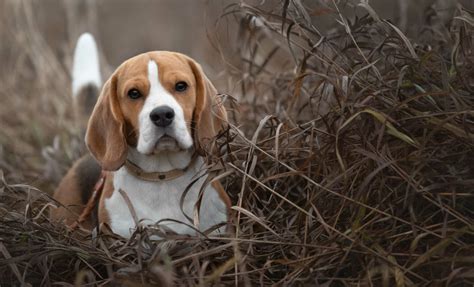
x,y
351,165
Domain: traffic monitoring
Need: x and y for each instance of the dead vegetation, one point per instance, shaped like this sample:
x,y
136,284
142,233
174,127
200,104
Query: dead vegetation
x,y
351,164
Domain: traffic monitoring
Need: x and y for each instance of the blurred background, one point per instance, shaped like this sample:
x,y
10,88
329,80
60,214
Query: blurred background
x,y
37,140
350,160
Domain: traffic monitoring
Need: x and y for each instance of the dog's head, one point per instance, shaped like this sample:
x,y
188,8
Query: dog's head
x,y
154,102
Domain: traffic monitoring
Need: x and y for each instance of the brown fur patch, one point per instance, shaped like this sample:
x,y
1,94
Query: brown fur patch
x,y
73,191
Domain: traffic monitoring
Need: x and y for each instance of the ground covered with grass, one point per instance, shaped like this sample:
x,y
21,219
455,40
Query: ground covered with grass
x,y
349,162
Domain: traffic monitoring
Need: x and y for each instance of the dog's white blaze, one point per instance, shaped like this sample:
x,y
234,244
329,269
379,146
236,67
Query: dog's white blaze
x,y
155,201
149,134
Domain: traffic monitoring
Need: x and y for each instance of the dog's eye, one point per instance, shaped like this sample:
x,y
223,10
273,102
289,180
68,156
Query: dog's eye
x,y
181,86
134,94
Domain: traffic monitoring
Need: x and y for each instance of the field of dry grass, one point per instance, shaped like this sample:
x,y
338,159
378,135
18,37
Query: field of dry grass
x,y
349,157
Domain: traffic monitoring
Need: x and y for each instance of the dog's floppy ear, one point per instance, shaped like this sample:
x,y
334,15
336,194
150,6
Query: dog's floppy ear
x,y
105,131
210,116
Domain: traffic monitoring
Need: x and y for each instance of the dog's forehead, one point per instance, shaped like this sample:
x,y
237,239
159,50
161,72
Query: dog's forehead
x,y
170,61
167,62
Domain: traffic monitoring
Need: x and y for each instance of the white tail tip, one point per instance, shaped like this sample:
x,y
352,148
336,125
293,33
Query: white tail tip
x,y
86,67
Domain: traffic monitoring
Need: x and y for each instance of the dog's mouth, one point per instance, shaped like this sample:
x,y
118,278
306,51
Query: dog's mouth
x,y
166,143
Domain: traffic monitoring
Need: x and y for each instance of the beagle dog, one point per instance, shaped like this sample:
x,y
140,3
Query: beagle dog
x,y
149,134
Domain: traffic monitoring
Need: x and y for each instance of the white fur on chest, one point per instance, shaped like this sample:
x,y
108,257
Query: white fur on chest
x,y
155,201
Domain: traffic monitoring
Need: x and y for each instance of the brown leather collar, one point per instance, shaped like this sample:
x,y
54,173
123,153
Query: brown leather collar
x,y
157,176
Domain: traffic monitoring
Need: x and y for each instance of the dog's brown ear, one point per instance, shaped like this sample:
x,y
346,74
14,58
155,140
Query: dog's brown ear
x,y
210,116
105,131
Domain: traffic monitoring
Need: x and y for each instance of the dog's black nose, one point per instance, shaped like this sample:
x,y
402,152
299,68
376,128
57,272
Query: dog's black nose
x,y
162,116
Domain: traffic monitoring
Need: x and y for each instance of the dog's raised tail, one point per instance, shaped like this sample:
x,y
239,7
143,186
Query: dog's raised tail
x,y
86,79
